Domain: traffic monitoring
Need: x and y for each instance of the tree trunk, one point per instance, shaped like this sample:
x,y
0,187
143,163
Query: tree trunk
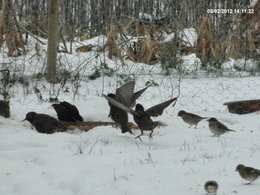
x,y
52,40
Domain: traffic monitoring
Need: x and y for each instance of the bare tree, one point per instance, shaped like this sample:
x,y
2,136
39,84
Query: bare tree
x,y
52,40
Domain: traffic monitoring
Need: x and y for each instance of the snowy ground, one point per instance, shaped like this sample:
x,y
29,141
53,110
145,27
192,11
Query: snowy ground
x,y
178,160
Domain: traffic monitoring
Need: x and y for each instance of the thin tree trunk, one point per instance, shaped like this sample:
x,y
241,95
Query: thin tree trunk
x,y
52,40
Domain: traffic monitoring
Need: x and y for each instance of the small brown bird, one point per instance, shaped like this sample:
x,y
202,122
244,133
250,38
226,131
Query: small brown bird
x,y
143,117
189,118
211,187
248,173
217,128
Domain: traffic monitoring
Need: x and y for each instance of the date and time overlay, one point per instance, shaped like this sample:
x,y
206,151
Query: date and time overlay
x,y
230,11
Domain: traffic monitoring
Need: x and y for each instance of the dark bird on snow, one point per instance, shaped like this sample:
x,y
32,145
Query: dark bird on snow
x,y
190,118
119,116
143,117
217,128
67,112
211,187
248,173
44,123
127,97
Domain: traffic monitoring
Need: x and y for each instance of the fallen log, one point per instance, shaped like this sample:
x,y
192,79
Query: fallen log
x,y
87,125
243,106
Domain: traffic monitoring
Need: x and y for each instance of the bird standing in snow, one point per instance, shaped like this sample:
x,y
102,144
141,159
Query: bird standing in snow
x,y
190,118
143,117
67,112
248,173
127,97
44,123
217,128
211,187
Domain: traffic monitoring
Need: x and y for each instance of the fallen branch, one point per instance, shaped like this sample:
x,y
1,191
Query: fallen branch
x,y
87,125
24,29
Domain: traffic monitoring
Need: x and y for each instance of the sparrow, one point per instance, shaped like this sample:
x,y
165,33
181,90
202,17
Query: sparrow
x,y
44,123
248,173
189,118
217,128
143,117
211,187
127,97
67,112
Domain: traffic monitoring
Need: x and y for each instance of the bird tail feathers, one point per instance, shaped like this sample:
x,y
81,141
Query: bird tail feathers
x,y
125,128
159,123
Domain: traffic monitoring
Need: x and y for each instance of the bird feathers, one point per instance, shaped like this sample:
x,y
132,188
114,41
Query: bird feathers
x,y
67,112
158,109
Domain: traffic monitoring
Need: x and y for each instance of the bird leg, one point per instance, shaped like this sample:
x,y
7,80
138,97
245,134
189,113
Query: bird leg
x,y
151,135
130,132
139,135
190,126
248,183
116,126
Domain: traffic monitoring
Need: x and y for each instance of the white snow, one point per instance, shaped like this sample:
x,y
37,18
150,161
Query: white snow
x,y
189,35
145,16
167,37
178,160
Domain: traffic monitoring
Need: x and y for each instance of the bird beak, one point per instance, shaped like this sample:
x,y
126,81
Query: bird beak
x,y
23,120
236,170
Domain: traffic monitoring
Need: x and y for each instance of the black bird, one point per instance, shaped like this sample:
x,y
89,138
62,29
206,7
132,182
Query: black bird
x,y
143,117
125,96
119,116
67,112
44,123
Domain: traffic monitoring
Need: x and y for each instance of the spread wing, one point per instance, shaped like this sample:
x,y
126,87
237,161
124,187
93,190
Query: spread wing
x,y
140,92
125,93
119,105
158,109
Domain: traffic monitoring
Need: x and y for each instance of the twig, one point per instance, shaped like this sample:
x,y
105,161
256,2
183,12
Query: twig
x,y
114,174
138,146
90,151
24,29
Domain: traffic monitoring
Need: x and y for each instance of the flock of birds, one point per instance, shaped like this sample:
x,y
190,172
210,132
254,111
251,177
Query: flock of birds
x,y
121,103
